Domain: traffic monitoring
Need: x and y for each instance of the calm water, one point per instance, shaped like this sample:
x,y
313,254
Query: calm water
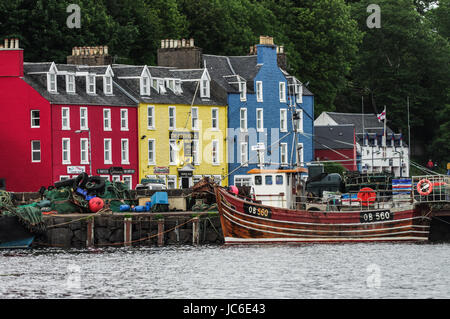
x,y
275,272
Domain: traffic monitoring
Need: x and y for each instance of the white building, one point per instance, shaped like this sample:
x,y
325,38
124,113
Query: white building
x,y
373,154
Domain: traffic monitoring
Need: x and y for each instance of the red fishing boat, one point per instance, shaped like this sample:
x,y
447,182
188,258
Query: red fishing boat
x,y
251,220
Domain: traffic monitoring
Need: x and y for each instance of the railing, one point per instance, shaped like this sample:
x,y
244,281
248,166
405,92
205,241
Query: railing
x,y
431,188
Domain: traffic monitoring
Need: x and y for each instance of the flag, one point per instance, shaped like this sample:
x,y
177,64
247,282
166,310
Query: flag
x,y
381,116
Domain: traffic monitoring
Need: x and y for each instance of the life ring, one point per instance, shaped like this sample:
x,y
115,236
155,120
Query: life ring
x,y
426,189
366,196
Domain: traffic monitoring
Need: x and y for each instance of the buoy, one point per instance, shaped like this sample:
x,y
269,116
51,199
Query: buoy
x,y
424,187
234,189
366,196
95,204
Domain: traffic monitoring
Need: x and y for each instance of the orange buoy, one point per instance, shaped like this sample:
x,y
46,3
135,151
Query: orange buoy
x,y
366,196
424,187
234,190
95,204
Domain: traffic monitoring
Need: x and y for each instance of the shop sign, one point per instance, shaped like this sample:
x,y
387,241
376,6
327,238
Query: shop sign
x,y
164,170
76,169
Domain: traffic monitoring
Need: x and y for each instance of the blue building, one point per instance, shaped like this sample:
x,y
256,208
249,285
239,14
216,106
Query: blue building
x,y
268,109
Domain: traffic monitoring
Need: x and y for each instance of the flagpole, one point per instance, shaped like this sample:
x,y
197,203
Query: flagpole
x,y
384,131
409,139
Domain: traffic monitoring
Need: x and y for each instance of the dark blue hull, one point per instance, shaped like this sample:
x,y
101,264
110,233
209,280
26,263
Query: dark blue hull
x,y
13,234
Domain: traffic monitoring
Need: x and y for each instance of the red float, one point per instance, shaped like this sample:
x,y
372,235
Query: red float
x,y
366,196
95,204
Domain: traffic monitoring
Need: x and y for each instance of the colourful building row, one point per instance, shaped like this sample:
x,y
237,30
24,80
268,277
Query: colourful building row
x,y
191,116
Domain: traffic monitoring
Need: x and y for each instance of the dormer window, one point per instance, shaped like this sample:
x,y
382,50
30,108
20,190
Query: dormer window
x,y
161,88
90,84
108,86
145,85
178,89
243,91
70,83
51,84
299,92
204,88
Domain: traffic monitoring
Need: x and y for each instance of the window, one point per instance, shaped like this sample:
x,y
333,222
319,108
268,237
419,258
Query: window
x,y
51,82
258,180
259,91
204,88
173,152
171,182
244,154
195,148
300,153
242,180
35,119
107,151
116,178
70,83
279,179
282,92
151,152
66,150
299,92
243,119
217,179
155,84
108,86
259,120
172,118
64,177
84,151
124,120
178,89
283,120
215,118
194,116
83,118
196,179
215,152
150,117
125,151
299,120
161,88
127,180
65,118
171,84
268,180
145,85
243,91
35,151
107,119
283,153
90,84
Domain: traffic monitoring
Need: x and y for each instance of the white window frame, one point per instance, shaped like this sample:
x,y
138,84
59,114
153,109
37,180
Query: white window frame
x,y
33,151
260,120
108,87
35,118
244,154
84,127
145,88
204,88
131,180
67,151
84,151
194,120
151,109
67,118
52,82
105,150
244,180
243,91
124,118
215,157
70,81
172,178
300,121
195,150
125,152
215,110
283,119
243,129
153,150
299,93
89,84
283,153
172,117
107,120
116,178
173,150
259,91
282,91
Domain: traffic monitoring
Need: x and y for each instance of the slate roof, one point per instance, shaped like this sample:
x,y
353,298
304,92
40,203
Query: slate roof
x,y
334,137
80,97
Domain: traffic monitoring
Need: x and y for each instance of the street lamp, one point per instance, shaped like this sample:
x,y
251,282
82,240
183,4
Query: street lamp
x,y
89,147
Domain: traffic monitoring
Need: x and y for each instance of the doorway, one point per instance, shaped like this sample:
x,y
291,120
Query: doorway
x,y
185,182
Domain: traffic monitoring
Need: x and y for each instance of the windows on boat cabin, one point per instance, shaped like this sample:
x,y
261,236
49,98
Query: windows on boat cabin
x,y
270,179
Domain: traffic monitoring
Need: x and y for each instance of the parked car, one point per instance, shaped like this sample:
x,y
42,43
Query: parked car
x,y
151,184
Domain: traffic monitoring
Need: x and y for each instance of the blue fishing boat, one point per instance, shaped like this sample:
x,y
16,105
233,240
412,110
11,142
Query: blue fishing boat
x,y
13,234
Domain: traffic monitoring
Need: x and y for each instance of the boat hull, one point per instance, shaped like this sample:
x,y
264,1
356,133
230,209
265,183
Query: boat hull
x,y
246,222
13,234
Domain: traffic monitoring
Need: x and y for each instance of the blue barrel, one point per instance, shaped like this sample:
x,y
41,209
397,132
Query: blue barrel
x,y
124,208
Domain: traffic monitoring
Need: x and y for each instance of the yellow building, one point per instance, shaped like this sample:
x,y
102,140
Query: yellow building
x,y
181,125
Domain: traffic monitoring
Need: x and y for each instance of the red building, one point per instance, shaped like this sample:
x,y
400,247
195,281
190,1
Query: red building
x,y
336,143
51,114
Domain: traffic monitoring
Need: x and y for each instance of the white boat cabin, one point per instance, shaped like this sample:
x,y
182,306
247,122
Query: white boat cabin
x,y
276,187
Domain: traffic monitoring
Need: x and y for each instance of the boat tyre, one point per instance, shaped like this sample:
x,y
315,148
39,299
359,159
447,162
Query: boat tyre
x,y
65,183
424,187
81,180
95,184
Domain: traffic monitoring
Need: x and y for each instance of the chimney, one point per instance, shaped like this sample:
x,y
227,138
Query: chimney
x,y
11,59
181,54
95,55
282,58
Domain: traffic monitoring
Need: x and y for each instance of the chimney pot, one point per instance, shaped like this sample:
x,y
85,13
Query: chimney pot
x,y
282,49
171,43
191,42
6,43
175,43
100,49
105,50
16,43
183,43
162,44
166,45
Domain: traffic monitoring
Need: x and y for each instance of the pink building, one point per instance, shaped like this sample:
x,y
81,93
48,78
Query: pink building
x,y
51,113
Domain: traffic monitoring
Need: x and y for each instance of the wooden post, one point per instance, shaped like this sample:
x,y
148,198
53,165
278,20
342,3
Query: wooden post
x,y
160,232
196,231
127,231
90,232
